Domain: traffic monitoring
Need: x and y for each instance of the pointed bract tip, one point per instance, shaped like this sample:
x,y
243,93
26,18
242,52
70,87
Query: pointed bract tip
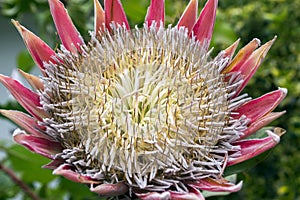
x,y
231,49
99,17
253,147
17,25
279,131
204,26
114,12
27,123
35,144
26,97
256,42
283,90
274,136
262,122
248,61
257,108
156,13
221,185
38,49
66,30
5,113
189,16
34,81
263,50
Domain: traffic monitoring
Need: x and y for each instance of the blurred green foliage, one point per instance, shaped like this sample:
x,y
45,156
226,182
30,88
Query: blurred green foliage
x,y
278,177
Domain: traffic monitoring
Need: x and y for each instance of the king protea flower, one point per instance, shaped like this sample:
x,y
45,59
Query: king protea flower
x,y
143,113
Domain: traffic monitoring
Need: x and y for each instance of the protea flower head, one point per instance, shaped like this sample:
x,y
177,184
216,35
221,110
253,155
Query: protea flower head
x,y
143,113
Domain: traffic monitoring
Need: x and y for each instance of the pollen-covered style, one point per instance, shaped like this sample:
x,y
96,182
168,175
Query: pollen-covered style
x,y
144,112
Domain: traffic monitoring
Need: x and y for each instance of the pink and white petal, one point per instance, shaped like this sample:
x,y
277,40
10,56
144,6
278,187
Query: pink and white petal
x,y
261,106
114,12
27,123
156,13
99,23
230,50
34,81
67,171
154,196
39,50
242,56
204,26
27,98
193,194
189,16
261,122
69,36
221,185
251,65
38,145
253,147
108,190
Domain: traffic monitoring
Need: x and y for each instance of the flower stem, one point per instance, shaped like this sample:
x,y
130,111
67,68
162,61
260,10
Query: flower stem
x,y
19,182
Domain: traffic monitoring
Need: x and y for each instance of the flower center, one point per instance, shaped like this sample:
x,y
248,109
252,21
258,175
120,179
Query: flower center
x,y
140,105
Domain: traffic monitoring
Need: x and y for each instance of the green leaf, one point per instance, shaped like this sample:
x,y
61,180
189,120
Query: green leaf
x,y
29,164
25,61
135,11
12,105
261,133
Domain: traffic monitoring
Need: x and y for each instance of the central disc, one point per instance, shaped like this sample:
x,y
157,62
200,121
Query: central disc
x,y
143,105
